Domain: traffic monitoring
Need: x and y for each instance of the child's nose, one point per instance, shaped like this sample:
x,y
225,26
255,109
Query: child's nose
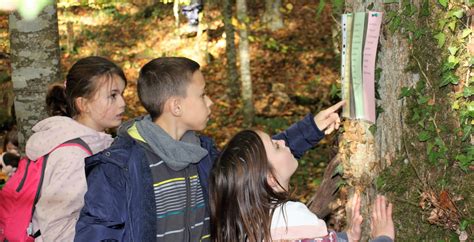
x,y
122,101
281,143
209,101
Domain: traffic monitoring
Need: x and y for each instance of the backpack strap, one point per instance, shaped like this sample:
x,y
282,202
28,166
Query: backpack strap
x,y
75,142
78,142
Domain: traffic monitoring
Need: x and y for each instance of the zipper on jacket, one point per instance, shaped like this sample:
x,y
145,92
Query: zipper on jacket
x,y
187,229
129,199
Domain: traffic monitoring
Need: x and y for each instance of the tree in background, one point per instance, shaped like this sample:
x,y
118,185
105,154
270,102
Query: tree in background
x,y
35,64
245,75
272,16
232,83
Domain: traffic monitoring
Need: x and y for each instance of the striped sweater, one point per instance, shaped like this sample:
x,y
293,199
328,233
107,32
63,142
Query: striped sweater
x,y
180,207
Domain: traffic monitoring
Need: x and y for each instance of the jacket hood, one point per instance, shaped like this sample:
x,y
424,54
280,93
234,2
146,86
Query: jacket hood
x,y
56,130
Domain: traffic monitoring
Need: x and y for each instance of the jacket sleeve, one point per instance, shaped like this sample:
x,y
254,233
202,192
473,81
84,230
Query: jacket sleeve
x,y
342,237
205,165
62,194
103,215
301,136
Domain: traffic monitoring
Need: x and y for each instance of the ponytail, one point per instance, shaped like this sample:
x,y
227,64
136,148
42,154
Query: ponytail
x,y
81,81
56,102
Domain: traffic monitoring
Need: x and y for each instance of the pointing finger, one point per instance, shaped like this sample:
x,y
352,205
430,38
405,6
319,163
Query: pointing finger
x,y
336,106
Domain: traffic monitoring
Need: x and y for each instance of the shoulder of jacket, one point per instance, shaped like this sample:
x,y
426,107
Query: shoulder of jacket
x,y
119,153
206,141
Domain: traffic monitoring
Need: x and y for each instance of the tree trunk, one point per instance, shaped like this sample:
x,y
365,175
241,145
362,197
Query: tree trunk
x,y
35,60
230,51
272,17
364,154
176,14
327,191
244,55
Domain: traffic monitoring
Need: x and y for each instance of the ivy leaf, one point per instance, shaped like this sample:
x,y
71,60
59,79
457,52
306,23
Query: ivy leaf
x,y
452,25
442,23
373,129
455,105
405,92
424,136
449,78
468,91
443,3
441,39
423,99
433,156
429,147
458,13
453,59
453,50
466,33
471,61
466,132
464,225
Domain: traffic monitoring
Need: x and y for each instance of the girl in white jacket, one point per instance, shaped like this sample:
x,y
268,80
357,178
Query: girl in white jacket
x,y
89,102
250,198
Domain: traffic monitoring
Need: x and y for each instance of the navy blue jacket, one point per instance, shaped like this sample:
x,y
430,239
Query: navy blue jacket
x,y
119,203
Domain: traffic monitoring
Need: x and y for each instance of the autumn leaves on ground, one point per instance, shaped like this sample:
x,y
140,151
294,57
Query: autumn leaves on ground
x,y
294,70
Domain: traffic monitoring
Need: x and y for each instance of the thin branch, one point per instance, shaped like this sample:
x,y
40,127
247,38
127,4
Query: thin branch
x,y
422,72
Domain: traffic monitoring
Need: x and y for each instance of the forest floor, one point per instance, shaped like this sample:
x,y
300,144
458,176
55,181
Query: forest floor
x,y
294,70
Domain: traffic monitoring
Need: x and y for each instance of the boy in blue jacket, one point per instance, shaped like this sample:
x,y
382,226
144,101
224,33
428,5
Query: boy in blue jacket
x,y
152,183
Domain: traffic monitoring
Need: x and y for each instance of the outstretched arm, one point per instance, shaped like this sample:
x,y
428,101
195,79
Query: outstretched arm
x,y
303,135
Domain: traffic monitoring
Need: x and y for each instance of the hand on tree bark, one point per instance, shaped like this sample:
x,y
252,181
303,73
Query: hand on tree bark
x,y
382,223
354,232
328,120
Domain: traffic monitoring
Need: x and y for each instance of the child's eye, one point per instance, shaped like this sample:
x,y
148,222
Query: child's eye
x,y
113,96
277,146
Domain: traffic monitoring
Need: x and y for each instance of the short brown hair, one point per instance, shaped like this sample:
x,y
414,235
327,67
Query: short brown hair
x,y
162,78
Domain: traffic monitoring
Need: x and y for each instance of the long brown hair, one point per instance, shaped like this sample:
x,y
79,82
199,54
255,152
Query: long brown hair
x,y
241,199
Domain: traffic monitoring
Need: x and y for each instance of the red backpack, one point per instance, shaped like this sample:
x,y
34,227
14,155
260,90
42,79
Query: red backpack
x,y
21,193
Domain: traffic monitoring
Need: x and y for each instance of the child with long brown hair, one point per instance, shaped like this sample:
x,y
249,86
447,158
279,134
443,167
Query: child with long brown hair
x,y
89,102
250,197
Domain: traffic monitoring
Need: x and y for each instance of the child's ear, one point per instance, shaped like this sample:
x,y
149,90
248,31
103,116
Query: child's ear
x,y
272,182
81,104
174,104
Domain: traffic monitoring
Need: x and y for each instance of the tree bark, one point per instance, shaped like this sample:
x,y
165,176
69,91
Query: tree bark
x,y
248,109
176,14
327,191
272,17
364,154
230,51
35,60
